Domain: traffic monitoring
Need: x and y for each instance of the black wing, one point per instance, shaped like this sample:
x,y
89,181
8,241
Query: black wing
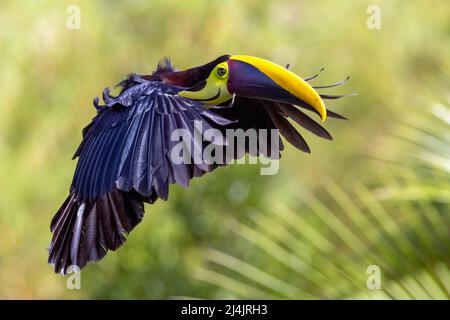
x,y
124,161
257,114
128,143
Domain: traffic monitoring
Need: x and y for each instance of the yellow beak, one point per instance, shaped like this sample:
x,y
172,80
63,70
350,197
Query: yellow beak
x,y
259,78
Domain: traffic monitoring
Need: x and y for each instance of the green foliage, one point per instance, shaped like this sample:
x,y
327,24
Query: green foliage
x,y
323,248
310,231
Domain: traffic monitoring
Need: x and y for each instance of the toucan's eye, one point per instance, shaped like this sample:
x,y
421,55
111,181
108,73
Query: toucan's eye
x,y
221,71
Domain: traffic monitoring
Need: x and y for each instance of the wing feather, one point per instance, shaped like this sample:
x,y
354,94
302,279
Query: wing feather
x,y
304,120
124,160
287,130
138,159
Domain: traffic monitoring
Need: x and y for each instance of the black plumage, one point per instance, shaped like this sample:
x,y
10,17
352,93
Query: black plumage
x,y
124,161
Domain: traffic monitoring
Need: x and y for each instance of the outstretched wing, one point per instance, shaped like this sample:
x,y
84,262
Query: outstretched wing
x,y
128,143
124,160
248,113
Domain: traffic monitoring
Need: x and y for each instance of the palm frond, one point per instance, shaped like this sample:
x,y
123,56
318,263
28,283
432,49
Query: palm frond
x,y
323,245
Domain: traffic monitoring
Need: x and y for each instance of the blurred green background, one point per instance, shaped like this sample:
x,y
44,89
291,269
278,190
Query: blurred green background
x,y
377,195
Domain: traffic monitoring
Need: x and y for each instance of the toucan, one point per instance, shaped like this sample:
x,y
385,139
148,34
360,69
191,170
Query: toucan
x,y
124,157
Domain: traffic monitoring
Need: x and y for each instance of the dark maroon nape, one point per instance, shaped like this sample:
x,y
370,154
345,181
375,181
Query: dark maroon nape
x,y
189,77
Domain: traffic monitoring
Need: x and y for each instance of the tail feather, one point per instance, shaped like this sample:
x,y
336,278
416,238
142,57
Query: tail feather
x,y
75,243
85,231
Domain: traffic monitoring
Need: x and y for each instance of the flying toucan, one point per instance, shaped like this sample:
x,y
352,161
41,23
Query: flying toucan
x,y
124,157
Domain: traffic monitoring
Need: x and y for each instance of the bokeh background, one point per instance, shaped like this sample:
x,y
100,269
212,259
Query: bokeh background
x,y
378,195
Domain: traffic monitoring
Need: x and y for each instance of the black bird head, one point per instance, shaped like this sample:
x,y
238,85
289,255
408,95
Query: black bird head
x,y
245,76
